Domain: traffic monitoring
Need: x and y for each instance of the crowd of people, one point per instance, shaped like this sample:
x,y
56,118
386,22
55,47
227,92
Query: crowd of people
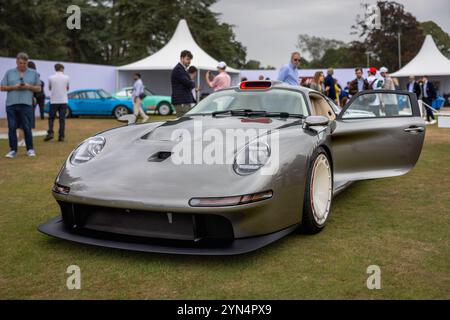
x,y
329,85
25,91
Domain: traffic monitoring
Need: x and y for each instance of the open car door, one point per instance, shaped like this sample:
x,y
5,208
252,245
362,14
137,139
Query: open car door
x,y
378,134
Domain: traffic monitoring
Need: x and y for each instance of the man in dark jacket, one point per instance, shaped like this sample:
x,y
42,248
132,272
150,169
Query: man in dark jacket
x,y
428,96
329,83
182,85
413,86
358,84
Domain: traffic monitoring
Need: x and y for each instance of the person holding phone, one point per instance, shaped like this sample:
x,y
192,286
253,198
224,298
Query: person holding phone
x,y
20,83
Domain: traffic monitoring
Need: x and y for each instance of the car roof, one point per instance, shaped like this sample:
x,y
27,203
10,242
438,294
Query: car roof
x,y
84,90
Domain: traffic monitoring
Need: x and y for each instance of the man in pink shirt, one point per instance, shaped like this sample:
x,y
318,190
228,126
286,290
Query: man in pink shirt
x,y
221,81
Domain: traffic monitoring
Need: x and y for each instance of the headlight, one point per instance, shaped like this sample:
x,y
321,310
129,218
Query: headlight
x,y
251,158
87,150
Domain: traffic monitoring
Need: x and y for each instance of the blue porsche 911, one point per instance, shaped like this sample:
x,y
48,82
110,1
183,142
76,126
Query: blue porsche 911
x,y
96,102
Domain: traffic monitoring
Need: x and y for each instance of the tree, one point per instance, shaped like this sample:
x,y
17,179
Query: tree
x,y
441,37
317,46
112,31
383,42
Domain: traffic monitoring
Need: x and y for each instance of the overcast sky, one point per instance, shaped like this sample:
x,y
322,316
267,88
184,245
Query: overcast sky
x,y
269,28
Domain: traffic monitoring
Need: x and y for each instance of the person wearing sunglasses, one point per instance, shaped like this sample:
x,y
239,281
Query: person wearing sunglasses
x,y
289,72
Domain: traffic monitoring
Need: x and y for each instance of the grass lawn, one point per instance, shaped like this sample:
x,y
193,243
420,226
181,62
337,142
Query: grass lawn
x,y
400,224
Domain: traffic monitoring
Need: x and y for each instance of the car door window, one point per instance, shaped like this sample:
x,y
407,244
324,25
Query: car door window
x,y
91,95
379,105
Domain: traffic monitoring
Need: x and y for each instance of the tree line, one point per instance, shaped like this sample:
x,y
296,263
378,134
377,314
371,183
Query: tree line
x,y
379,46
113,32
117,32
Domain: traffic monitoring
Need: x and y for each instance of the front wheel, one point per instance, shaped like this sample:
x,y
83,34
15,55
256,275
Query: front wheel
x,y
318,193
120,111
164,109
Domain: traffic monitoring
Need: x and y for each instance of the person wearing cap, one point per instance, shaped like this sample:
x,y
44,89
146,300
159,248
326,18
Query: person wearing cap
x,y
289,72
221,81
388,83
374,82
389,100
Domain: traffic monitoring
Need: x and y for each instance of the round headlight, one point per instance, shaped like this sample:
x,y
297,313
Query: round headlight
x,y
251,158
87,150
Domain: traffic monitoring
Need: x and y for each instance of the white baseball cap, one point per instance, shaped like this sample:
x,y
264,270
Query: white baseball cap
x,y
383,69
222,65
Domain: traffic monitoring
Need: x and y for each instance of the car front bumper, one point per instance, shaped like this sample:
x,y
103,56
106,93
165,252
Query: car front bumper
x,y
56,228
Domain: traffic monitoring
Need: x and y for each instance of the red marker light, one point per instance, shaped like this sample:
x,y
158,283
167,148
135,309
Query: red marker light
x,y
255,85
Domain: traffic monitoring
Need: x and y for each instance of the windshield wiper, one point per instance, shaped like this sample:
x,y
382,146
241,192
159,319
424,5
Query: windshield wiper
x,y
239,112
250,112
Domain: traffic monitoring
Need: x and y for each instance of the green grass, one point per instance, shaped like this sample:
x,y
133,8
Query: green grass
x,y
400,224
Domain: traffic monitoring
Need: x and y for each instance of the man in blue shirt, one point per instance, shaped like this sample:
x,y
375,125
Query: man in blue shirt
x,y
20,84
289,72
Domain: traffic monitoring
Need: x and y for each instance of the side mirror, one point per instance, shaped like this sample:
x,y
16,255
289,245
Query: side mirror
x,y
129,118
314,121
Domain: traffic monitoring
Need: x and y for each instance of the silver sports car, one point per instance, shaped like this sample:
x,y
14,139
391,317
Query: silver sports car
x,y
244,168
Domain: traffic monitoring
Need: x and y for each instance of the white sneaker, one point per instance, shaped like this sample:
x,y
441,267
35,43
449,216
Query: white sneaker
x,y
11,154
427,122
21,143
31,153
433,122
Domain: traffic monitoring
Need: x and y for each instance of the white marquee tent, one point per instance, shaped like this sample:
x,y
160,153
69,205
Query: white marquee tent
x,y
430,62
156,68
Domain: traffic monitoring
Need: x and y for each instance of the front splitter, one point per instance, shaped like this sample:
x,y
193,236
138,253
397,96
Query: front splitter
x,y
55,228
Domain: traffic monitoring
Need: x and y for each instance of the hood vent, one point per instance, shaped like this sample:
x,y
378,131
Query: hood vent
x,y
160,156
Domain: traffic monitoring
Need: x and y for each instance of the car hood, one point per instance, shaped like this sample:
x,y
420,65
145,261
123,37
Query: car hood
x,y
124,170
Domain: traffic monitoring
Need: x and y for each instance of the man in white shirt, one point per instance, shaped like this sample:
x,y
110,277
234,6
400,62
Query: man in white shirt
x,y
58,84
137,96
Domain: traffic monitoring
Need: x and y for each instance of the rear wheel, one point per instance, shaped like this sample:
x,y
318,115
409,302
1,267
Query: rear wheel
x,y
164,109
120,111
318,193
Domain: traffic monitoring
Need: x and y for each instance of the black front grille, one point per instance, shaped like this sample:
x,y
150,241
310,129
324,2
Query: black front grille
x,y
146,224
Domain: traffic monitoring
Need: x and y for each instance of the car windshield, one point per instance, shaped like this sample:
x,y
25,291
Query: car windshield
x,y
274,100
104,94
148,92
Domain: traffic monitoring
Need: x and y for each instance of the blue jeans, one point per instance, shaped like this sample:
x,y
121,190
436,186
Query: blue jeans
x,y
23,114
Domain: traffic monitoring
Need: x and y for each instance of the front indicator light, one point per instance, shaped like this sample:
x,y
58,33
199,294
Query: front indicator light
x,y
57,188
230,201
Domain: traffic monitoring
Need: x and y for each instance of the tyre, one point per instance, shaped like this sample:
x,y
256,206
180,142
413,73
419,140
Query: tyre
x,y
120,111
164,109
318,193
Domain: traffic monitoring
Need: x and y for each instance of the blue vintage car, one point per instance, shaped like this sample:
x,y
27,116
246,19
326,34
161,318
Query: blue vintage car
x,y
96,102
